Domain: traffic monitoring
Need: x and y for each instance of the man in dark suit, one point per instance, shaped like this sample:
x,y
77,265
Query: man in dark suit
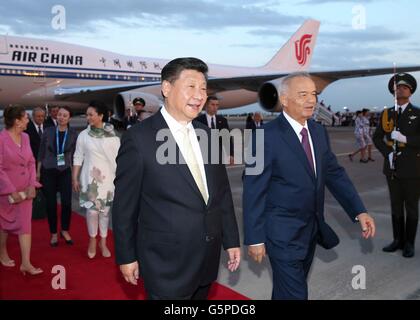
x,y
214,121
52,117
255,123
35,129
171,219
284,204
397,137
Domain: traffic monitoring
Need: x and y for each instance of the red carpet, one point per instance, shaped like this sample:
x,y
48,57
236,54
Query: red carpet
x,y
86,279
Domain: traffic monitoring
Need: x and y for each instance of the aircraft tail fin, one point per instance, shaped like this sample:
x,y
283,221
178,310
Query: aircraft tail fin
x,y
296,54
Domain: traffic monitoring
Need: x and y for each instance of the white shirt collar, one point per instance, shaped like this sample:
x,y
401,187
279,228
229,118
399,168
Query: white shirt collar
x,y
209,117
37,126
403,106
175,127
297,127
173,124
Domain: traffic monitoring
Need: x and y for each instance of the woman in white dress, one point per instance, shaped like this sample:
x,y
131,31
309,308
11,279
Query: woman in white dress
x,y
94,166
360,139
367,133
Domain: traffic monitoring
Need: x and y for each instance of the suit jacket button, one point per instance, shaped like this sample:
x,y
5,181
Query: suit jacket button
x,y
208,238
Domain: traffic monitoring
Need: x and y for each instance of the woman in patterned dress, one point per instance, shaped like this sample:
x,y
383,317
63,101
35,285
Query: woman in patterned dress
x,y
94,166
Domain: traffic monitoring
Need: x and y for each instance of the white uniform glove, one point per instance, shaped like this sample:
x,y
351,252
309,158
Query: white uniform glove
x,y
391,162
396,135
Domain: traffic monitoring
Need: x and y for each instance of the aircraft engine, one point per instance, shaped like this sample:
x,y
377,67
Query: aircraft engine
x,y
269,95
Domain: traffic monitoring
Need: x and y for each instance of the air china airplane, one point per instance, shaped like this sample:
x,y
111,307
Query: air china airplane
x,y
38,72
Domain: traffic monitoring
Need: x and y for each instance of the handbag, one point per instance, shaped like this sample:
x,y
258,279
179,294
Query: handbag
x,y
39,206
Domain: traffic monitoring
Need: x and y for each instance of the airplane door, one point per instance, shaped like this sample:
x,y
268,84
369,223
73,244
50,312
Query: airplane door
x,y
40,77
3,44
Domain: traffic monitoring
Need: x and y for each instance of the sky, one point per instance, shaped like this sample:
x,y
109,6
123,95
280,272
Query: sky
x,y
353,34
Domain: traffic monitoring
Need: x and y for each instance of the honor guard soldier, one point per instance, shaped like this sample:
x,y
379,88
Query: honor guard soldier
x,y
397,137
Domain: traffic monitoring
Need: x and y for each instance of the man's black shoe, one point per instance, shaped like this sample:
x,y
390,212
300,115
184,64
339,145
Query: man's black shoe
x,y
408,251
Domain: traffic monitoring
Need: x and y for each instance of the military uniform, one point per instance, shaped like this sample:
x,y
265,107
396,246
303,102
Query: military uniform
x,y
404,179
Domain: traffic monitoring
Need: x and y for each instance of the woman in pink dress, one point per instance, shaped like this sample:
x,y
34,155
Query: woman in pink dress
x,y
17,187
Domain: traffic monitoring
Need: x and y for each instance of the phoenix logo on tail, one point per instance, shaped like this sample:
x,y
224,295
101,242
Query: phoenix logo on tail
x,y
302,49
73,75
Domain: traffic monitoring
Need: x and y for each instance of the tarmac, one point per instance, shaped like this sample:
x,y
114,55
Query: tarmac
x,y
337,274
356,269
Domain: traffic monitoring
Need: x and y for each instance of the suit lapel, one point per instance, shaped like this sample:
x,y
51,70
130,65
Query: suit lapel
x,y
406,113
181,167
293,141
219,122
19,150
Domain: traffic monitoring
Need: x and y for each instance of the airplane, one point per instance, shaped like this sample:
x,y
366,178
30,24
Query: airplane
x,y
36,72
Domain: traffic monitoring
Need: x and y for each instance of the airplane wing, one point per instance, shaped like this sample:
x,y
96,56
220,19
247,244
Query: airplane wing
x,y
88,93
251,83
322,79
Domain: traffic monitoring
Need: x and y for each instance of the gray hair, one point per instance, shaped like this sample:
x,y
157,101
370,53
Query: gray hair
x,y
37,109
284,86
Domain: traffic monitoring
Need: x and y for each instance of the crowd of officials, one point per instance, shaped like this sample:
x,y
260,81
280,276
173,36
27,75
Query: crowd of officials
x,y
54,158
46,153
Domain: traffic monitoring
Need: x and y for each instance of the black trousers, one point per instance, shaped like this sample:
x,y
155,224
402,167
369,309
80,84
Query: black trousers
x,y
201,293
404,194
54,181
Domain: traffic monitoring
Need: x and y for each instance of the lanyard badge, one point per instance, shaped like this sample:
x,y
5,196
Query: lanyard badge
x,y
60,151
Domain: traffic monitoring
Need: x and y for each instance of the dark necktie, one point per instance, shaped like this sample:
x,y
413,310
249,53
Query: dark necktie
x,y
307,147
39,131
212,123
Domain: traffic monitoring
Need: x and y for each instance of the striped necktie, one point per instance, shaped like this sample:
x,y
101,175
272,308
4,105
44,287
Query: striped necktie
x,y
307,147
192,163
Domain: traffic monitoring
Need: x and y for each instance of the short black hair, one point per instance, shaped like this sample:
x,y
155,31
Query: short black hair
x,y
11,114
67,109
173,68
213,97
100,108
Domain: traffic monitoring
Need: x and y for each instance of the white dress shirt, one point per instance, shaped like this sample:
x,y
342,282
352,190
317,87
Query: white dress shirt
x,y
403,107
209,117
176,128
297,128
37,126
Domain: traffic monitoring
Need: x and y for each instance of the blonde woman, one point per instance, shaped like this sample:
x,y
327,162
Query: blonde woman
x,y
17,188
